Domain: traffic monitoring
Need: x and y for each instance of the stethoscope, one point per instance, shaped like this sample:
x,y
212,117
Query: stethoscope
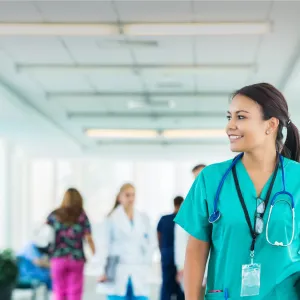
x,y
216,215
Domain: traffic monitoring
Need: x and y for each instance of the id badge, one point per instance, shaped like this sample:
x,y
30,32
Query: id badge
x,y
250,280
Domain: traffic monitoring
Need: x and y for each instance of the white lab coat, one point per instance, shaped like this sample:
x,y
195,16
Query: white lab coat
x,y
181,239
134,244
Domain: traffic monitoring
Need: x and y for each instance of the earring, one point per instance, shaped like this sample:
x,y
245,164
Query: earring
x,y
267,132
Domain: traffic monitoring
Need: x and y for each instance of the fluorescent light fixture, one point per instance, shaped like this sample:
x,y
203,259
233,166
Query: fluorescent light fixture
x,y
219,28
121,133
149,134
57,29
138,29
193,133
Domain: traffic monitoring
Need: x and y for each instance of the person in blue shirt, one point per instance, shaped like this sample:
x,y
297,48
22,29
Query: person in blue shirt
x,y
165,232
33,260
251,226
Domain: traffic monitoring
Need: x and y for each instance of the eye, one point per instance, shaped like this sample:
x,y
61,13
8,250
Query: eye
x,y
228,118
241,117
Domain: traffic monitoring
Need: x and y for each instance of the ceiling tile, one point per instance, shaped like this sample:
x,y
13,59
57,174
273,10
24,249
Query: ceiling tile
x,y
224,81
87,50
234,11
227,50
116,81
154,11
77,11
19,11
35,49
60,82
168,50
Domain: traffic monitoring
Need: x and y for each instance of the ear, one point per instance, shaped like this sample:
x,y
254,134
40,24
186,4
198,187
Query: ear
x,y
273,124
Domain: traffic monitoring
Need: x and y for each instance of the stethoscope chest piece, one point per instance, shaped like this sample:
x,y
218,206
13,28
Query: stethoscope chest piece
x,y
214,217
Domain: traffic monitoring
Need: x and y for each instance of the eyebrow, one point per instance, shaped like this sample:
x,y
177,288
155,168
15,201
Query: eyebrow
x,y
239,111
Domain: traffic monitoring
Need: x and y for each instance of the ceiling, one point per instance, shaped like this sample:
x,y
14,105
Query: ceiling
x,y
53,88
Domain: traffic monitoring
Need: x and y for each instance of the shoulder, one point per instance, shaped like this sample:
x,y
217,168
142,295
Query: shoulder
x,y
216,168
291,165
211,175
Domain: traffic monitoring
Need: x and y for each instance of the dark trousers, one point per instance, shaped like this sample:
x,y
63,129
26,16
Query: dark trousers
x,y
170,289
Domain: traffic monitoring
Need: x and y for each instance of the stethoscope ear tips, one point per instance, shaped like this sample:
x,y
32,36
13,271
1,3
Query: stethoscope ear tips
x,y
214,217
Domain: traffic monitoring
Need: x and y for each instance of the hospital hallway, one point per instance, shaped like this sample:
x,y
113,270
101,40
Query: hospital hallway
x,y
117,119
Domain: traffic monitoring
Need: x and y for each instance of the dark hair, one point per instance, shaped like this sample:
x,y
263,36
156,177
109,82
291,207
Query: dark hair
x,y
274,104
123,188
71,207
197,167
178,201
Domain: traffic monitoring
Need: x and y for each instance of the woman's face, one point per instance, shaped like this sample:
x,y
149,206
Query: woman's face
x,y
127,197
246,128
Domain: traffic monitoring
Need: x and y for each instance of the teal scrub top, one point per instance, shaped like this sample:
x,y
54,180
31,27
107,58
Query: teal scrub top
x,y
230,237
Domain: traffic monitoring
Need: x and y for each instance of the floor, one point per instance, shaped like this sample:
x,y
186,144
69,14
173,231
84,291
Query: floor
x,y
90,287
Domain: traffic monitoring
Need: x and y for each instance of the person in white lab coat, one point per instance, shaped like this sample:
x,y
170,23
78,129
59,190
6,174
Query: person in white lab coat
x,y
129,237
181,239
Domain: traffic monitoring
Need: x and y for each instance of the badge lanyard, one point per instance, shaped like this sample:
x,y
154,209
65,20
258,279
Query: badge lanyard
x,y
251,272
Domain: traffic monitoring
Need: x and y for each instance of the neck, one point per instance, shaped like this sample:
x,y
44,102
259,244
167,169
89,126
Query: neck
x,y
261,160
129,211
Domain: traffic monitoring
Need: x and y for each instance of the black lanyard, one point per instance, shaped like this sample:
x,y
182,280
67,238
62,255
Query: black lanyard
x,y
238,189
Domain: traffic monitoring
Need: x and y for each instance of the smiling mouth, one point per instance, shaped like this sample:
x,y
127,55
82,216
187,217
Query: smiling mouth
x,y
234,138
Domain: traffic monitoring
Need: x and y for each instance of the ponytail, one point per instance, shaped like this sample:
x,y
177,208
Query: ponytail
x,y
291,147
117,203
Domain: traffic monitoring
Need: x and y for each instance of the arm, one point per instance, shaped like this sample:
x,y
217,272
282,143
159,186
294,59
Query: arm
x,y
193,218
42,262
159,233
194,268
152,244
91,243
88,232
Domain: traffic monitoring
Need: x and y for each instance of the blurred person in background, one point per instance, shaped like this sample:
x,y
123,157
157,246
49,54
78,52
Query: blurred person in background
x,y
181,240
170,288
33,260
71,227
125,250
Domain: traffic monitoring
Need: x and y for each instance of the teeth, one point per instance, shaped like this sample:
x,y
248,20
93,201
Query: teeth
x,y
235,137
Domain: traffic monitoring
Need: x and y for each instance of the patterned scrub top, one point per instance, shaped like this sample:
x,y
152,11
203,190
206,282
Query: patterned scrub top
x,y
69,238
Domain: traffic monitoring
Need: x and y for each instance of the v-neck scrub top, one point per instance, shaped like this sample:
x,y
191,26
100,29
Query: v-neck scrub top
x,y
230,236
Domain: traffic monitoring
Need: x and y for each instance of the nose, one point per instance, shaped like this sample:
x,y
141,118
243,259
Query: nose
x,y
231,125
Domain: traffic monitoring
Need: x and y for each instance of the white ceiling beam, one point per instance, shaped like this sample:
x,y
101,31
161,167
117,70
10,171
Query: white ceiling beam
x,y
109,67
58,96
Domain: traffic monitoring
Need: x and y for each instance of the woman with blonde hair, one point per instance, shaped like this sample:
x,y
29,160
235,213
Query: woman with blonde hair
x,y
130,240
71,227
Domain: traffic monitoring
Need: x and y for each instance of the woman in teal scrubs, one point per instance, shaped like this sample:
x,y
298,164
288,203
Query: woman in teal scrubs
x,y
257,118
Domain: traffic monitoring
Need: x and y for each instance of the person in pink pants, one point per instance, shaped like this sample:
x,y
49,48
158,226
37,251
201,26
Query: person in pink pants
x,y
71,227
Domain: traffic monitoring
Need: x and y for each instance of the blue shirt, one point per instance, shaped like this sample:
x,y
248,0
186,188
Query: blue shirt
x,y
27,269
166,229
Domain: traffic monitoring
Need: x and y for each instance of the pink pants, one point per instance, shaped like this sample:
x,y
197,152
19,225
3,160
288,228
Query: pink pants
x,y
67,278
